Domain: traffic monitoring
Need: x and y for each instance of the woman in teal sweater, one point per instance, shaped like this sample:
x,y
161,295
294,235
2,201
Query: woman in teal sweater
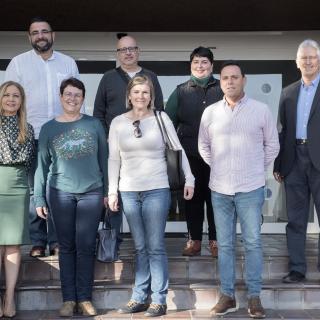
x,y
72,167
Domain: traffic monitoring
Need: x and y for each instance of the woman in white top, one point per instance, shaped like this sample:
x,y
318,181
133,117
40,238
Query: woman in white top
x,y
137,168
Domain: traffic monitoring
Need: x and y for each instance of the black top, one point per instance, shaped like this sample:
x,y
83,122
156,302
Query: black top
x,y
111,95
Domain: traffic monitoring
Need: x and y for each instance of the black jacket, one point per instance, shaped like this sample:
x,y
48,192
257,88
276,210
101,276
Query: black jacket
x,y
288,120
110,99
192,101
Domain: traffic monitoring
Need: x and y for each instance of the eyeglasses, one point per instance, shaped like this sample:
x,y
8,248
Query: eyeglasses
x,y
70,95
310,58
36,33
125,49
137,131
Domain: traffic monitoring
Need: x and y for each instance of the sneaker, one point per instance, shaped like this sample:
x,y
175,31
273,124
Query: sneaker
x,y
86,308
132,307
225,305
293,277
255,308
156,310
67,309
192,248
213,247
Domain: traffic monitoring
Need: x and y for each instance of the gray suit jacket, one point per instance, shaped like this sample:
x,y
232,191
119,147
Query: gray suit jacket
x,y
287,136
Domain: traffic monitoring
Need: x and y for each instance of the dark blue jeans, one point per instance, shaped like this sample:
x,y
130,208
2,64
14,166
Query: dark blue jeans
x,y
76,217
42,232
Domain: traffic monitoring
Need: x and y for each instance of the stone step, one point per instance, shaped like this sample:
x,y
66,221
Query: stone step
x,y
192,294
241,314
200,267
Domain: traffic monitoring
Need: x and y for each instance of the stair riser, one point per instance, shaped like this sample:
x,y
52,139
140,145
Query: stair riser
x,y
202,269
50,299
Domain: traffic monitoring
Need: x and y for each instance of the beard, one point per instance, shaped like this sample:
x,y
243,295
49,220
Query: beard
x,y
42,48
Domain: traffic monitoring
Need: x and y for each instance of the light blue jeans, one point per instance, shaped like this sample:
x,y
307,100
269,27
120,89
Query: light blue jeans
x,y
146,213
248,207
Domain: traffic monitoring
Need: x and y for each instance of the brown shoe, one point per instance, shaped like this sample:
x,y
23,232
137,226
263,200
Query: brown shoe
x,y
37,252
225,305
54,251
255,308
87,308
67,309
213,247
192,248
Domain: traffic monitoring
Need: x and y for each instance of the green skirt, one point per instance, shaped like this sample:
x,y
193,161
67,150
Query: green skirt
x,y
14,206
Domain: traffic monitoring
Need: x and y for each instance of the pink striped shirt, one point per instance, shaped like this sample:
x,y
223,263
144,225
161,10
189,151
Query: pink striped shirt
x,y
238,145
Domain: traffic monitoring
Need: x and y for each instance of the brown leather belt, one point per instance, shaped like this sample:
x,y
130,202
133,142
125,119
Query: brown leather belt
x,y
301,141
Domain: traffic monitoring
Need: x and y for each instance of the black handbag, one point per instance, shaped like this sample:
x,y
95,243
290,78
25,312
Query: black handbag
x,y
107,248
173,157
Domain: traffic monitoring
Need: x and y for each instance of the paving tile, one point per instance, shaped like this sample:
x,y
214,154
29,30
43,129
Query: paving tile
x,y
202,269
180,299
55,270
32,300
289,299
54,299
178,269
113,314
278,268
111,299
35,270
312,299
314,313
205,299
180,314
294,314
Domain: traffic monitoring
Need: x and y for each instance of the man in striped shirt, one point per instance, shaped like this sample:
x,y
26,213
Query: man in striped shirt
x,y
238,139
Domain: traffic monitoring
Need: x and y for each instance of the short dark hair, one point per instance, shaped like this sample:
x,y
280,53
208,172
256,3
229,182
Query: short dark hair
x,y
202,52
39,19
232,63
73,82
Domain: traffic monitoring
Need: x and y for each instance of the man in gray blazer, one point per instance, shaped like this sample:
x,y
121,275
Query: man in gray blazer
x,y
298,163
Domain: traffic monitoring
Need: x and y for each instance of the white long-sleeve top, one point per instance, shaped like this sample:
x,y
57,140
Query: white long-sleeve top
x,y
41,81
238,145
138,164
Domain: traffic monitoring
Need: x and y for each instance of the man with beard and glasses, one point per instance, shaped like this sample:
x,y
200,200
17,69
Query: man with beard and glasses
x,y
40,71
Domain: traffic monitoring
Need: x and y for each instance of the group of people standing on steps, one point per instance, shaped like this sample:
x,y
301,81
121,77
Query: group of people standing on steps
x,y
62,168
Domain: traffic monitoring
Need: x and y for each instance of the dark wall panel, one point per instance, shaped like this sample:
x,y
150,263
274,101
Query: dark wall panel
x,y
164,15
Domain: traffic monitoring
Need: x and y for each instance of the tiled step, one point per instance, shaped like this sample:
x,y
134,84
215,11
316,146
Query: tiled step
x,y
193,294
241,314
193,281
200,267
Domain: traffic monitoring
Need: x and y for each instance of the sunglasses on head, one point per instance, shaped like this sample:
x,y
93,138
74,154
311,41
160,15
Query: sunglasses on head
x,y
137,131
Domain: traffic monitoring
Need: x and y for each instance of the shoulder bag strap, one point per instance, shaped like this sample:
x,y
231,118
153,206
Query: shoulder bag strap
x,y
159,125
170,144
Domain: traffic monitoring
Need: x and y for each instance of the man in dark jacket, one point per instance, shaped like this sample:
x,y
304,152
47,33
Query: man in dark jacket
x,y
111,95
298,163
185,107
110,99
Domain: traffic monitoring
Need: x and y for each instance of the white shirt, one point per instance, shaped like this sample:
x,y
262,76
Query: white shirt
x,y
138,164
41,80
238,145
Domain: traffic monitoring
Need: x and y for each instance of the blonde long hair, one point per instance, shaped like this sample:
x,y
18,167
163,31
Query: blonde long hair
x,y
22,115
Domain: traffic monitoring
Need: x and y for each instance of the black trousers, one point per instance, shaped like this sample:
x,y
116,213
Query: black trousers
x,y
202,195
302,181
